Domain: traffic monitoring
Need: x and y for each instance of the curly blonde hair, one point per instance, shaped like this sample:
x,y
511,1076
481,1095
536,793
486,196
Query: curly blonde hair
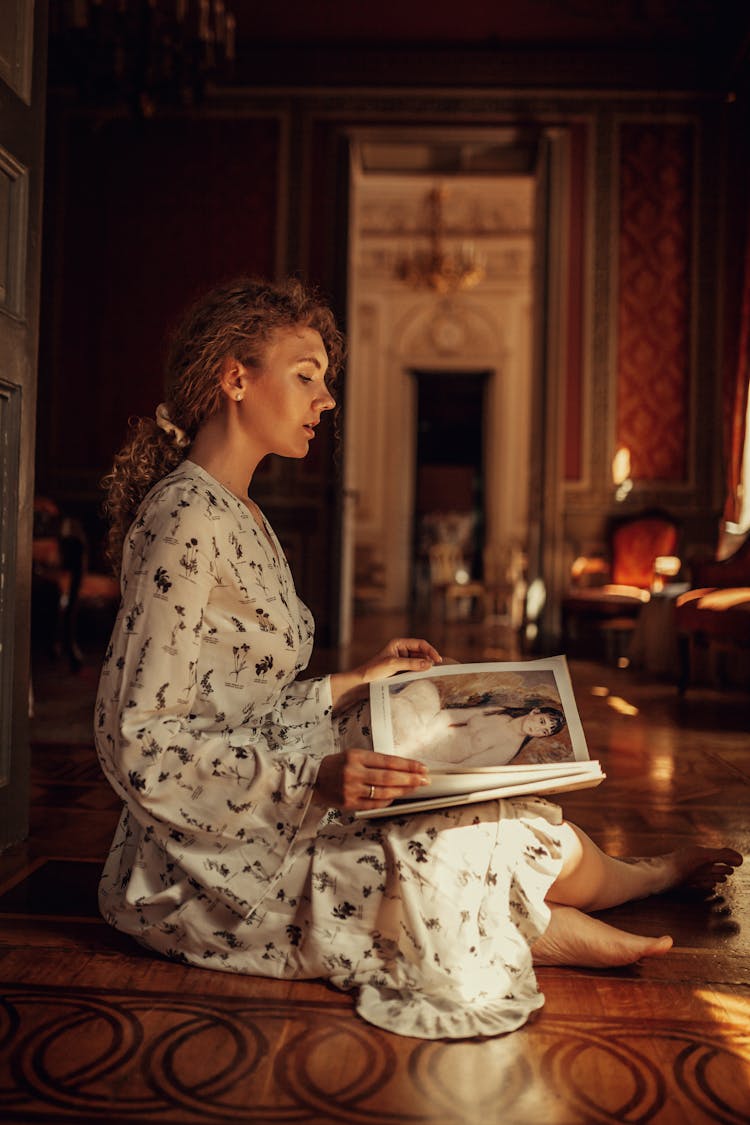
x,y
237,319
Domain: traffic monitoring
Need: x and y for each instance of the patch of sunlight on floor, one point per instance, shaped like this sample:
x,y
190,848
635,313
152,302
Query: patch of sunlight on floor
x,y
617,703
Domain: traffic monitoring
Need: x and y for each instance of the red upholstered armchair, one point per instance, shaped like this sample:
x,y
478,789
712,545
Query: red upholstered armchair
x,y
715,613
607,594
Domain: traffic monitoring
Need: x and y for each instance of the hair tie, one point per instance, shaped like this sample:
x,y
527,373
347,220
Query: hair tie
x,y
164,422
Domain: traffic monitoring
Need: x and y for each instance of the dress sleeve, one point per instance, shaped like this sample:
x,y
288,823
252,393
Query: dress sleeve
x,y
189,774
305,707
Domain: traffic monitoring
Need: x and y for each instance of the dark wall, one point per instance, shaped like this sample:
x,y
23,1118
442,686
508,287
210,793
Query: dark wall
x,y
141,217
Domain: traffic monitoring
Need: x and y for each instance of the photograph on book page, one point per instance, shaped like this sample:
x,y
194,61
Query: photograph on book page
x,y
468,717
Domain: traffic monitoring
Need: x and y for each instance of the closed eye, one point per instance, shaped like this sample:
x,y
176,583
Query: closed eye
x,y
325,386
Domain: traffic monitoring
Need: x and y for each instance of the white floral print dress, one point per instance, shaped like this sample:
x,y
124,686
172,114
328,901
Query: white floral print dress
x,y
224,858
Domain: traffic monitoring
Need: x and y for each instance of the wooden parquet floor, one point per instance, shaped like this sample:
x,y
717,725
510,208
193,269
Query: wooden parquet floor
x,y
93,1029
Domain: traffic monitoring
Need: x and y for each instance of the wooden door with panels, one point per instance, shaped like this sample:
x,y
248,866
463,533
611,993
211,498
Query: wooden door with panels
x,y
23,54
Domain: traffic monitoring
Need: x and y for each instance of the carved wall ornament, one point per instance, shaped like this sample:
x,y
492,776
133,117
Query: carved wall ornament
x,y
448,333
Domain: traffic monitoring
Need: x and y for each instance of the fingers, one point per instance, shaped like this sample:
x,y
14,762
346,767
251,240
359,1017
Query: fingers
x,y
393,782
402,654
382,798
405,654
414,648
378,796
372,761
395,779
373,780
364,779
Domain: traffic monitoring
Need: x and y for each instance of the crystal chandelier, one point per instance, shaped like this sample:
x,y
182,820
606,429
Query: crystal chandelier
x,y
436,268
142,54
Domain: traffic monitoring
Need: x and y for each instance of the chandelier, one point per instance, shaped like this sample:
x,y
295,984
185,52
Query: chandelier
x,y
436,268
141,54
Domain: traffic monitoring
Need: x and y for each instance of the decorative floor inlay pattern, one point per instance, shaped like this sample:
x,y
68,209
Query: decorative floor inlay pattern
x,y
91,1055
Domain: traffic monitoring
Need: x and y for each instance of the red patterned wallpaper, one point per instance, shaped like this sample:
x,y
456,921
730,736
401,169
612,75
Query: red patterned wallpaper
x,y
653,316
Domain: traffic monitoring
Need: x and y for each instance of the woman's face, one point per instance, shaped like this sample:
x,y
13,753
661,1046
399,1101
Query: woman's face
x,y
284,400
538,724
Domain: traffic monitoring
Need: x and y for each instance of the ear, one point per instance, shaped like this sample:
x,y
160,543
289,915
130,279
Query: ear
x,y
233,378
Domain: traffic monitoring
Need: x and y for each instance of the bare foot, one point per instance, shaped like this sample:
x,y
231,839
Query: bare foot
x,y
573,938
695,867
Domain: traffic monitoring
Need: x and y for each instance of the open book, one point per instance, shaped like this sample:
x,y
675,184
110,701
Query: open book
x,y
484,731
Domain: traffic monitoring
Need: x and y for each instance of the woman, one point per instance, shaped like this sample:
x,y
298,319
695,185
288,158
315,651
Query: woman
x,y
236,848
480,732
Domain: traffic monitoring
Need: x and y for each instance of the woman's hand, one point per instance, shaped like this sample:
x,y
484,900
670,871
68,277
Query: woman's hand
x,y
364,779
402,654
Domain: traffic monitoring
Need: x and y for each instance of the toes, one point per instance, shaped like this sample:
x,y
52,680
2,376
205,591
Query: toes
x,y
729,857
718,872
715,868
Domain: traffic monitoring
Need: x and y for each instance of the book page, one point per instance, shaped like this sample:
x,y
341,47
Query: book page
x,y
590,776
476,718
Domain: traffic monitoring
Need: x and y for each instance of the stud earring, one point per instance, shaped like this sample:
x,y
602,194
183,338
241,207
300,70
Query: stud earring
x,y
238,397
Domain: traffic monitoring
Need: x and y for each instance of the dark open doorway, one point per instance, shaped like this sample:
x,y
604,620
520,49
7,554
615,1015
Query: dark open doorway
x,y
449,480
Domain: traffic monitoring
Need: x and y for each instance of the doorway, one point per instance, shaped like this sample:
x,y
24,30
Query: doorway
x,y
449,494
401,335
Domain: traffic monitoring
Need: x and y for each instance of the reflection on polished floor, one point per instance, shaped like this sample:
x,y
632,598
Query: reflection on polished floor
x,y
92,1029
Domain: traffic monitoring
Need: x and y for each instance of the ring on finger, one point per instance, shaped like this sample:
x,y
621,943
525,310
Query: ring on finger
x,y
372,792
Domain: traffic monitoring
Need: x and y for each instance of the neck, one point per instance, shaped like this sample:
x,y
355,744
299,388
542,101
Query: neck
x,y
221,452
517,722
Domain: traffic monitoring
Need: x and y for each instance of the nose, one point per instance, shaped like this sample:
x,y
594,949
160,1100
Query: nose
x,y
326,401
